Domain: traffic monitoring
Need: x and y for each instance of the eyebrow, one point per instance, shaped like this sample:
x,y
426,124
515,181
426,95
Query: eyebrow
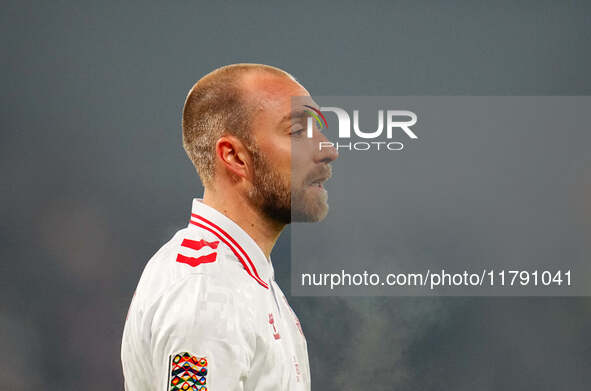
x,y
296,114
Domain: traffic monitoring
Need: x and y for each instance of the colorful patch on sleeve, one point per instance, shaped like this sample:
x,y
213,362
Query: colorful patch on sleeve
x,y
187,372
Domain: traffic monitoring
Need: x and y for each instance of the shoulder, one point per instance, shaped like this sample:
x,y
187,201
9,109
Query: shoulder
x,y
195,257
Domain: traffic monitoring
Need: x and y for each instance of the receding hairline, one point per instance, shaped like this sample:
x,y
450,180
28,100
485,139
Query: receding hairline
x,y
236,73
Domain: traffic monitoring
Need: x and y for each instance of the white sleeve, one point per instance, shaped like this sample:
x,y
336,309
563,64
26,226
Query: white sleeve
x,y
200,337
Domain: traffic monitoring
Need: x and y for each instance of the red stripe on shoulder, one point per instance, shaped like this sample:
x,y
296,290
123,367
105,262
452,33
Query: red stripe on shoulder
x,y
209,258
199,244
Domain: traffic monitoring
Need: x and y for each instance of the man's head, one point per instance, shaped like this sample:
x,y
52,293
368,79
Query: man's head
x,y
240,132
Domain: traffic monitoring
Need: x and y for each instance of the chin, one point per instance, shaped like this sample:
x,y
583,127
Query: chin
x,y
309,209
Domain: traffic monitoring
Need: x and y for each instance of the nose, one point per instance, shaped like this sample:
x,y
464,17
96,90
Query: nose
x,y
326,152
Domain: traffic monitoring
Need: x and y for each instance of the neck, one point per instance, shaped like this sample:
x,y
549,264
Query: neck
x,y
261,229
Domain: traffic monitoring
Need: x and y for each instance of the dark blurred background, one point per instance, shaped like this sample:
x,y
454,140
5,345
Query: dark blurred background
x,y
94,178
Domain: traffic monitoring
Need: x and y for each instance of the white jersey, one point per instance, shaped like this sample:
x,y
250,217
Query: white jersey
x,y
208,315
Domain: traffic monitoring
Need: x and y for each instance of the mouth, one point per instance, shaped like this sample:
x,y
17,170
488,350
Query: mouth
x,y
319,181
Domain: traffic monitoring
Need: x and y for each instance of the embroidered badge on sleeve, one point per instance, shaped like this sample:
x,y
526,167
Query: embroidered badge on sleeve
x,y
187,372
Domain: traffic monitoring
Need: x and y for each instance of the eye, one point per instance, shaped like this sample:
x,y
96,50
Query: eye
x,y
297,131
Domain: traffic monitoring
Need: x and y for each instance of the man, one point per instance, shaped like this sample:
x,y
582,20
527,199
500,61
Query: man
x,y
207,313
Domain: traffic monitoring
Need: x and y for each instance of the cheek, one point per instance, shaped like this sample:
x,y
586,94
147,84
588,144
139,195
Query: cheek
x,y
277,152
291,158
278,161
302,154
299,170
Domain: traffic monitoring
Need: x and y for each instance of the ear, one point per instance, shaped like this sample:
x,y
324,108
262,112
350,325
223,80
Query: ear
x,y
233,156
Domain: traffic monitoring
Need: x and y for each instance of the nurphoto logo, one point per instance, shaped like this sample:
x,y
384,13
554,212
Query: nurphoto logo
x,y
398,123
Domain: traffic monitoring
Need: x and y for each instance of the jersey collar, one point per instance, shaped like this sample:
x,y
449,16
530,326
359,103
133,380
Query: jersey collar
x,y
232,235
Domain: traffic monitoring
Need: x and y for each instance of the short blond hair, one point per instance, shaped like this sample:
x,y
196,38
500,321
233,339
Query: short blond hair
x,y
216,106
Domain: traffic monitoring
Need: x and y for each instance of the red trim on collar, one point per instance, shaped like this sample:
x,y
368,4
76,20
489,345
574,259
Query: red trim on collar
x,y
230,238
232,247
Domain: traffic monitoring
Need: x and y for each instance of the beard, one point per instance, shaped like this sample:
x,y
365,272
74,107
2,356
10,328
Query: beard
x,y
273,195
